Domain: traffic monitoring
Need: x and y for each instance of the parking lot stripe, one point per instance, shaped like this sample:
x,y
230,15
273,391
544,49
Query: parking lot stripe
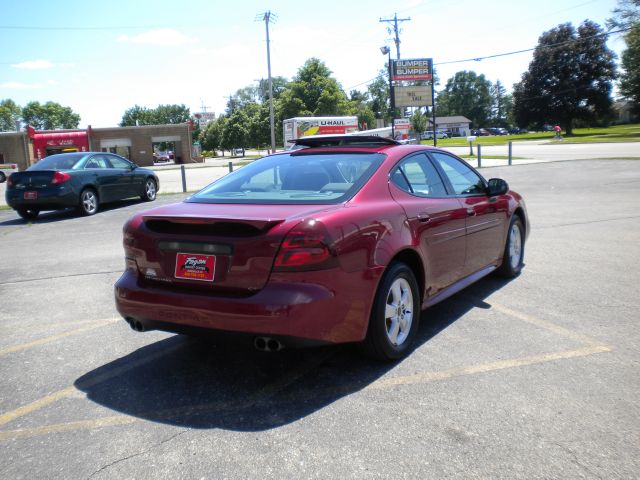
x,y
260,396
593,347
486,367
38,404
552,327
53,338
66,392
112,421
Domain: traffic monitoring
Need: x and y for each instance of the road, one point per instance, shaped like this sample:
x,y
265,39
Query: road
x,y
532,378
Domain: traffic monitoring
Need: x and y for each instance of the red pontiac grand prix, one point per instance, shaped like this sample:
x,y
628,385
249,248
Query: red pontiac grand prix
x,y
346,239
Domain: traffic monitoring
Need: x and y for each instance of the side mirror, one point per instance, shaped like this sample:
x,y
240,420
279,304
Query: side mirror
x,y
133,166
497,186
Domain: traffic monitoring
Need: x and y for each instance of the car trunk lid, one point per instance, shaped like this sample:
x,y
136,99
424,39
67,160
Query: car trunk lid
x,y
221,248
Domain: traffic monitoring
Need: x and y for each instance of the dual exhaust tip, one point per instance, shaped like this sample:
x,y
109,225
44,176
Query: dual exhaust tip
x,y
267,344
136,325
263,344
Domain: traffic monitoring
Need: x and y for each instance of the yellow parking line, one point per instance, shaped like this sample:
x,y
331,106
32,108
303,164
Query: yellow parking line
x,y
38,404
67,427
485,367
552,327
593,347
53,338
270,390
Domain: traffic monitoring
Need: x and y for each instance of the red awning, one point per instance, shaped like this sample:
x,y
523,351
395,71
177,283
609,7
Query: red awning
x,y
59,135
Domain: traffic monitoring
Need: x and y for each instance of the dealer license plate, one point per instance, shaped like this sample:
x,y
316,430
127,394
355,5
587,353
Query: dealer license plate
x,y
193,266
30,195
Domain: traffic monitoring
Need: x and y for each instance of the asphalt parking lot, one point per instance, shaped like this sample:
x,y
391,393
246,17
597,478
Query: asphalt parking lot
x,y
533,378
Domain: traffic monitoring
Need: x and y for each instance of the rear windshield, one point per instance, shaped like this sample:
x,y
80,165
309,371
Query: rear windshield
x,y
294,178
57,162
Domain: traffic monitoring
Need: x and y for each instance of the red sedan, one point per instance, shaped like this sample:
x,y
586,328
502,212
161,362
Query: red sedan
x,y
346,239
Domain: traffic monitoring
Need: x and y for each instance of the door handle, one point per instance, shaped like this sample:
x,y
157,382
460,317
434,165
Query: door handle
x,y
423,217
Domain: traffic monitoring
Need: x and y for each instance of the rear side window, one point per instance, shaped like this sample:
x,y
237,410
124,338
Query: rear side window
x,y
294,178
418,176
462,178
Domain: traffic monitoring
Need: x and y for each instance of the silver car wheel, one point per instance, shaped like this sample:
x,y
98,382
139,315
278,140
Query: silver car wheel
x,y
515,246
399,311
89,202
150,189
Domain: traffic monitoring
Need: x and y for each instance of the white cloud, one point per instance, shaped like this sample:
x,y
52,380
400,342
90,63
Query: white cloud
x,y
164,37
20,86
34,65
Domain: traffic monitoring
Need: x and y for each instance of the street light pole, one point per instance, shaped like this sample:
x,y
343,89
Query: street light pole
x,y
392,101
267,20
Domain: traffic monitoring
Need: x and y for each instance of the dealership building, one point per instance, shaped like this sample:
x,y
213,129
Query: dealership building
x,y
135,143
457,126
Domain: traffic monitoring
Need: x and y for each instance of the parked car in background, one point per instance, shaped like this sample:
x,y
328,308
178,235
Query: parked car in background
x,y
428,134
498,131
82,179
7,169
161,157
344,240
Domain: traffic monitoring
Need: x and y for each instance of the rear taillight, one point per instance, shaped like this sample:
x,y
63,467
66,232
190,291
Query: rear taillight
x,y
306,247
10,183
60,177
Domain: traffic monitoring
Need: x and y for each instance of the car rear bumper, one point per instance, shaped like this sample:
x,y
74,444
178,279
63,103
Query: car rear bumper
x,y
306,311
48,199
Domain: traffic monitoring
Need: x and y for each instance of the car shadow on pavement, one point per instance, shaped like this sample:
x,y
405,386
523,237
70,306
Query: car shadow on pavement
x,y
195,383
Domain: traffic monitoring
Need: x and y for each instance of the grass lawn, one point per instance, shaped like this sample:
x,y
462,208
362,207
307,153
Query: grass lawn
x,y
617,133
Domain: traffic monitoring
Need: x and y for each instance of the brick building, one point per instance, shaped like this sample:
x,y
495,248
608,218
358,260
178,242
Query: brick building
x,y
135,143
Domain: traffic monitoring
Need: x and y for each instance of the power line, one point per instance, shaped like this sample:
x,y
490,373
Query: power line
x,y
478,59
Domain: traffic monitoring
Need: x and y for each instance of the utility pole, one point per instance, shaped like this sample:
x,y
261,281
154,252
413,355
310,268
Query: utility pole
x,y
203,107
268,17
396,31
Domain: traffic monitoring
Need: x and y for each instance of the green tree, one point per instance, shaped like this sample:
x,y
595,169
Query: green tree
x,y
211,135
419,121
162,115
50,116
626,14
9,115
313,92
236,130
501,106
468,94
570,78
379,93
630,77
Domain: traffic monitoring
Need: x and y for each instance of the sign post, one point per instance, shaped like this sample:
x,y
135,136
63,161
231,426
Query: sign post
x,y
414,70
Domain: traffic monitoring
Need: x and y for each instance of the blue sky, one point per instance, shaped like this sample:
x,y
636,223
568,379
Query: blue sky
x,y
101,58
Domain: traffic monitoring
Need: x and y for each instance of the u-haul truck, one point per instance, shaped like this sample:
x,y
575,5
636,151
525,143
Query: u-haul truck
x,y
297,127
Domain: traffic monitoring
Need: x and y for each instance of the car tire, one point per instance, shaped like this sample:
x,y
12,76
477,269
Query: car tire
x,y
513,256
150,190
395,315
28,213
3,177
89,202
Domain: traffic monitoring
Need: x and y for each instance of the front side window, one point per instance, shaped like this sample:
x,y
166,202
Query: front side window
x,y
300,177
462,178
417,175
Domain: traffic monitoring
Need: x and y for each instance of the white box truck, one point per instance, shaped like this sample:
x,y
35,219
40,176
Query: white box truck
x,y
297,127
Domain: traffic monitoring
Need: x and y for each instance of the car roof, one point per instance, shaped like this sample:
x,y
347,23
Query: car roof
x,y
358,141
